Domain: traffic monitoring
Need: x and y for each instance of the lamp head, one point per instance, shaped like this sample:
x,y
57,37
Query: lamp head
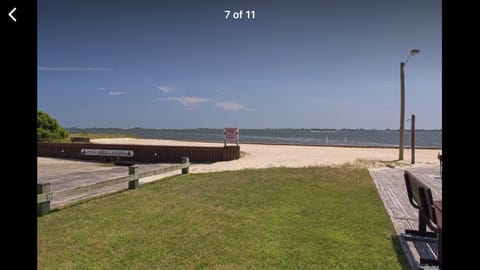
x,y
414,51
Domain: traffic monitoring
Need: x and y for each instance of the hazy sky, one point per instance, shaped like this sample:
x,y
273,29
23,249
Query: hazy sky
x,y
181,64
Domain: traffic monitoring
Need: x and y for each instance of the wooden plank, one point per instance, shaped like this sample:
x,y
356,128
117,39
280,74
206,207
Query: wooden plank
x,y
86,188
163,170
74,198
116,181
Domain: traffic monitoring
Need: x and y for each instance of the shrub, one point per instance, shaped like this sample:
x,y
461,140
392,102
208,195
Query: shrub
x,y
48,129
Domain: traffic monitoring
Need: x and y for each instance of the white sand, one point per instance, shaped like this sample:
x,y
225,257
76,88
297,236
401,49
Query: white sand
x,y
265,156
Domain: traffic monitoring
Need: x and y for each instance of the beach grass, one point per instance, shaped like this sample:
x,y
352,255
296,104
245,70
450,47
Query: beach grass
x,y
99,136
369,163
278,218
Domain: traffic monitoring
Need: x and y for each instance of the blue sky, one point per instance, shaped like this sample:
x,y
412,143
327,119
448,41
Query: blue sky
x,y
181,64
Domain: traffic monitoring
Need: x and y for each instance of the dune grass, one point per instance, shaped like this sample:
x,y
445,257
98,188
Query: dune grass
x,y
279,218
98,136
370,163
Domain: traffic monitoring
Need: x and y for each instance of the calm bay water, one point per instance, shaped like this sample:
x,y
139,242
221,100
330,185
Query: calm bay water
x,y
385,138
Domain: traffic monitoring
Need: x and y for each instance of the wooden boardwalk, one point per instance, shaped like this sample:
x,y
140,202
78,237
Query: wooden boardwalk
x,y
391,187
75,178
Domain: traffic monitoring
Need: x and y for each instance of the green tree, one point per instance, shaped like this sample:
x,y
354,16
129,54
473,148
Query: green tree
x,y
48,129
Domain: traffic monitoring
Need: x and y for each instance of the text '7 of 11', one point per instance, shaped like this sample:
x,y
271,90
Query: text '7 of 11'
x,y
241,14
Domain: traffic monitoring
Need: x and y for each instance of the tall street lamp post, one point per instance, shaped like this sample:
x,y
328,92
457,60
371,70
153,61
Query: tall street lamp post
x,y
402,100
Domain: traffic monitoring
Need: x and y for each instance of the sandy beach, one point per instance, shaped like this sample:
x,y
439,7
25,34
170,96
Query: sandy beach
x,y
266,156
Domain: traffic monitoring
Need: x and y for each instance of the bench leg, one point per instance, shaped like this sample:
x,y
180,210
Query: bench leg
x,y
439,249
422,224
438,260
413,237
422,227
419,234
424,261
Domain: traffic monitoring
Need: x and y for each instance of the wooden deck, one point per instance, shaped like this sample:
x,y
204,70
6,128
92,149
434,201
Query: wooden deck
x,y
391,187
63,180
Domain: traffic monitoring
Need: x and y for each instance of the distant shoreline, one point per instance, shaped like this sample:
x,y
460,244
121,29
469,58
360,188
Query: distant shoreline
x,y
266,144
343,145
425,139
311,129
292,144
270,143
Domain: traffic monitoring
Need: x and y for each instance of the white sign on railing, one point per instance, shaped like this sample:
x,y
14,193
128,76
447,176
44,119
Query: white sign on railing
x,y
231,134
107,152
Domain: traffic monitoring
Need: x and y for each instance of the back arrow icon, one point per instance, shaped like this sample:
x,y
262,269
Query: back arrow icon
x,y
11,14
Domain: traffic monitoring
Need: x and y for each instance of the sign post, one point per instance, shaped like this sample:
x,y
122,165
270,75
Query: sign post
x,y
231,134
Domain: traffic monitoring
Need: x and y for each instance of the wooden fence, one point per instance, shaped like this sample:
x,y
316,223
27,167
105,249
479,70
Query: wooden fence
x,y
141,153
44,195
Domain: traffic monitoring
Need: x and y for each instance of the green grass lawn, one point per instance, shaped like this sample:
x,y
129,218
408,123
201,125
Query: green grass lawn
x,y
311,218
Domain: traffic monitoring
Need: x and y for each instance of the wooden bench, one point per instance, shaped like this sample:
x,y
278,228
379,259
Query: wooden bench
x,y
79,140
429,214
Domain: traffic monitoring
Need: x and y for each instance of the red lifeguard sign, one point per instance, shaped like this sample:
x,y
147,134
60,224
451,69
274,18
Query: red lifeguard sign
x,y
231,134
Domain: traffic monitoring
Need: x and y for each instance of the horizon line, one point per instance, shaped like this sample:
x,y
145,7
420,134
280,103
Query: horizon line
x,y
309,128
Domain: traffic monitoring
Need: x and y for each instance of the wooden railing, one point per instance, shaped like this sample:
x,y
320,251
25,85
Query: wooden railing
x,y
44,195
